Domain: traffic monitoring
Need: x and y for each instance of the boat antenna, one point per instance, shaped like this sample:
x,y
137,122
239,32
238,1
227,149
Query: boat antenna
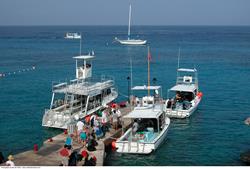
x,y
178,65
129,20
179,54
80,44
131,75
149,59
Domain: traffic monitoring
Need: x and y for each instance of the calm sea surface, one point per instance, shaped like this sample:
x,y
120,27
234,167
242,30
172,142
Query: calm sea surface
x,y
214,135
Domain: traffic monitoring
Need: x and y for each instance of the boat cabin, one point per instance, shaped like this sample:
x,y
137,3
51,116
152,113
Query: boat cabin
x,y
83,66
181,95
145,101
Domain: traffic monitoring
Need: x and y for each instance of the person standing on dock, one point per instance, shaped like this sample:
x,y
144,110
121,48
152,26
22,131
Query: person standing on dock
x,y
79,125
10,161
68,142
115,120
119,115
104,120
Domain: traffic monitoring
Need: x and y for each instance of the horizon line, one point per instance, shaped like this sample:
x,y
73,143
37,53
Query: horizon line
x,y
125,25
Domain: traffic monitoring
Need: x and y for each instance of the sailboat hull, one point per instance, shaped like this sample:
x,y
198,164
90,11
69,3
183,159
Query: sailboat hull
x,y
132,42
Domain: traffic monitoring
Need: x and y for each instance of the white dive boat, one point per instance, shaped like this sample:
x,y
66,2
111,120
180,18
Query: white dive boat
x,y
151,121
72,36
186,94
130,41
80,97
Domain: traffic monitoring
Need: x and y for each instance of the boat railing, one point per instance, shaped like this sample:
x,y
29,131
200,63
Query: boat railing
x,y
59,108
176,112
58,85
84,85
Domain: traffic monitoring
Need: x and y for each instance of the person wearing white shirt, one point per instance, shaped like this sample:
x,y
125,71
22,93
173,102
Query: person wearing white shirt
x,y
104,122
10,161
79,125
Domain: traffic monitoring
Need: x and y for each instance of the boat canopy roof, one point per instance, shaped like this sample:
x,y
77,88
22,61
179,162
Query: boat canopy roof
x,y
186,70
146,87
83,88
144,113
184,88
85,57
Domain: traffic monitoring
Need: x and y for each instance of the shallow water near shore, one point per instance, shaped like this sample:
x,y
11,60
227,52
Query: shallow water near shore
x,y
214,135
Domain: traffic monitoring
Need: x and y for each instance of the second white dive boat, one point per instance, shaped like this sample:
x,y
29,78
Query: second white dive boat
x,y
186,94
150,124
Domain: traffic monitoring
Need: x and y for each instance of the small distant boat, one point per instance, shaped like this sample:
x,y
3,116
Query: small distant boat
x,y
130,41
186,94
72,36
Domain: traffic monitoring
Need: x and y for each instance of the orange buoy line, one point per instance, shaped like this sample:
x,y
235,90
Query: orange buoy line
x,y
3,74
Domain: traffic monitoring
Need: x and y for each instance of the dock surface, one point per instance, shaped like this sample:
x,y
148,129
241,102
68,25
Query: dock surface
x,y
48,154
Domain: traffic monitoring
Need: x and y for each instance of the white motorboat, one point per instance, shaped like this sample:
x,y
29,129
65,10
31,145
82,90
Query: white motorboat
x,y
72,36
151,121
185,96
130,41
80,97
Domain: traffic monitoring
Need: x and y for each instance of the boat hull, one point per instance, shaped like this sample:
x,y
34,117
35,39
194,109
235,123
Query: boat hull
x,y
77,37
182,113
132,42
142,147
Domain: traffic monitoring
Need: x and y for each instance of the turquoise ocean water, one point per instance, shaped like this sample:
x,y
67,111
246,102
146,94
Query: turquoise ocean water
x,y
214,135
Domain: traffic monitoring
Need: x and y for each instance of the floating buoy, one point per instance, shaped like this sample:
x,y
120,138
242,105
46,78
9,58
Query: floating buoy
x,y
35,148
2,74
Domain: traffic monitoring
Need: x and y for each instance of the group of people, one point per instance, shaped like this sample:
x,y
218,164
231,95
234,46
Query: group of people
x,y
180,101
70,157
88,131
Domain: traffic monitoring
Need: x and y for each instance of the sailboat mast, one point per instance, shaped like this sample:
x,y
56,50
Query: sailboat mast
x,y
129,21
149,57
178,65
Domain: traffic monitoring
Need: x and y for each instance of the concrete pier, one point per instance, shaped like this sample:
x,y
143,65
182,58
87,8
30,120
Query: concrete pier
x,y
48,154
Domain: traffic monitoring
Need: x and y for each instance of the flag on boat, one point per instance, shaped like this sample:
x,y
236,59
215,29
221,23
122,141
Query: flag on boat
x,y
149,55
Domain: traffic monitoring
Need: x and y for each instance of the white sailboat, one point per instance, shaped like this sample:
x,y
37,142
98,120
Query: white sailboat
x,y
130,41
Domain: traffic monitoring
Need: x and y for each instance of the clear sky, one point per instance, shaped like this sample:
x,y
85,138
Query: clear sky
x,y
115,12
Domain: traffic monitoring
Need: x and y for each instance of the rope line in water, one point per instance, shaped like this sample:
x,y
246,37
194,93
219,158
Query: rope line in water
x,y
5,74
123,94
